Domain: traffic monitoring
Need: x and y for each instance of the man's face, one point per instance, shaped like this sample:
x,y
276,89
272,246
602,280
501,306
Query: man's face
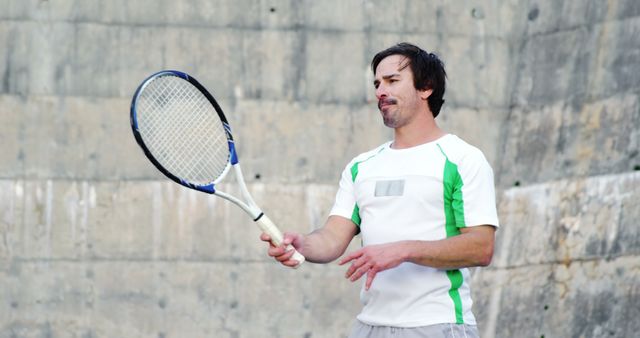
x,y
398,100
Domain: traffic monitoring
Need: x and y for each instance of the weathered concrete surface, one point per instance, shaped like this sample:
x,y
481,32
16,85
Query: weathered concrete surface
x,y
144,298
590,298
581,219
560,139
69,220
575,99
566,261
95,243
141,259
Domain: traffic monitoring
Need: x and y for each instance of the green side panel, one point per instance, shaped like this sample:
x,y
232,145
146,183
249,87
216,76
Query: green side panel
x,y
454,218
355,217
455,276
354,171
453,203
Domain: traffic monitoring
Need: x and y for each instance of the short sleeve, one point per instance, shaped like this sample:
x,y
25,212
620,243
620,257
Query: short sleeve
x,y
345,203
478,195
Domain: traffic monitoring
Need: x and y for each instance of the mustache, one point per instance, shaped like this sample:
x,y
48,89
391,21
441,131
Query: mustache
x,y
386,101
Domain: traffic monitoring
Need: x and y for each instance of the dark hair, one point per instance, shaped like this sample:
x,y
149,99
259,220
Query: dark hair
x,y
428,71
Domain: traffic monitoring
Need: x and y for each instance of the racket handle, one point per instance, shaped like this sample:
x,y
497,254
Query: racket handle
x,y
269,228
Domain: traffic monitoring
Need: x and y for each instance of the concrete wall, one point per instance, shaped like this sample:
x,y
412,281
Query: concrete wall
x,y
96,243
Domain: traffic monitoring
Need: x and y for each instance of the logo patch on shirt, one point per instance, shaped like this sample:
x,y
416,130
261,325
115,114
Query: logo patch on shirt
x,y
389,188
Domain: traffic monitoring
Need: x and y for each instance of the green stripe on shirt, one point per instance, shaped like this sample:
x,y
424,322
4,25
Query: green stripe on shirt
x,y
454,219
355,216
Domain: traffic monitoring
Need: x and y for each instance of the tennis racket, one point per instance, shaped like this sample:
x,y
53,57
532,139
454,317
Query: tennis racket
x,y
184,133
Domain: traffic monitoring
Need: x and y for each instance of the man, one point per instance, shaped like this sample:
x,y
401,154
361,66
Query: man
x,y
424,203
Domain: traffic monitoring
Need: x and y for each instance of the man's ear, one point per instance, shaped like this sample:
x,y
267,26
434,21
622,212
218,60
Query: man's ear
x,y
425,93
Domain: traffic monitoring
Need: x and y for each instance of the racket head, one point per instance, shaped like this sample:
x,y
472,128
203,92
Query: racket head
x,y
182,130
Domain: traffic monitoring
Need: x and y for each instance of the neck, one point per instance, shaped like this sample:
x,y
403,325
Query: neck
x,y
417,133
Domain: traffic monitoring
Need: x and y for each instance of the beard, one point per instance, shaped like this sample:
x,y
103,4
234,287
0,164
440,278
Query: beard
x,y
390,115
391,119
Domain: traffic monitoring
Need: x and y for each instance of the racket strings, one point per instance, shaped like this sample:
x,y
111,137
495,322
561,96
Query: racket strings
x,y
191,100
193,120
182,130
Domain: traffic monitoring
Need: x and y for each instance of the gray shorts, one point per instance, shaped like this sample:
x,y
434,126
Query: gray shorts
x,y
362,330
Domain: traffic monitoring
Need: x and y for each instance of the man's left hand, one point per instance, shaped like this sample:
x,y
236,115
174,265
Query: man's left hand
x,y
372,259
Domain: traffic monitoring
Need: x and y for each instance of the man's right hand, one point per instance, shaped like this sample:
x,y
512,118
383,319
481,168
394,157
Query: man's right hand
x,y
280,253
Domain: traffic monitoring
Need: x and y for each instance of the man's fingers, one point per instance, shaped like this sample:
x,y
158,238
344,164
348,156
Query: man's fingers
x,y
264,237
280,253
287,240
357,268
350,271
352,268
360,271
276,251
371,274
350,257
286,256
291,262
284,252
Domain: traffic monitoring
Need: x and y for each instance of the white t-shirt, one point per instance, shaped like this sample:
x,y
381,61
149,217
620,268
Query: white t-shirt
x,y
426,193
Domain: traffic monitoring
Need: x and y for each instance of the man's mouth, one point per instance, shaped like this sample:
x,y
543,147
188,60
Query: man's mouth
x,y
386,102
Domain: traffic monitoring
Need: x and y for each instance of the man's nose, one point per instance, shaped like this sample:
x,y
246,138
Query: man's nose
x,y
381,92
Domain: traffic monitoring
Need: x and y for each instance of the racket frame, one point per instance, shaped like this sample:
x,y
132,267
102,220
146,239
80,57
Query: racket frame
x,y
233,157
248,205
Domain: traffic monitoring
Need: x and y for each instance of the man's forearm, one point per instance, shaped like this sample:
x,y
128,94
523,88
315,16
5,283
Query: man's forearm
x,y
318,248
464,250
329,242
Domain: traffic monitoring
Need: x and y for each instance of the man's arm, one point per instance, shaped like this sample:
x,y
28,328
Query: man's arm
x,y
320,246
472,247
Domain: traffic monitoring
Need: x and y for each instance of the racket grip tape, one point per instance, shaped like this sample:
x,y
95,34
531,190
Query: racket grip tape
x,y
269,228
